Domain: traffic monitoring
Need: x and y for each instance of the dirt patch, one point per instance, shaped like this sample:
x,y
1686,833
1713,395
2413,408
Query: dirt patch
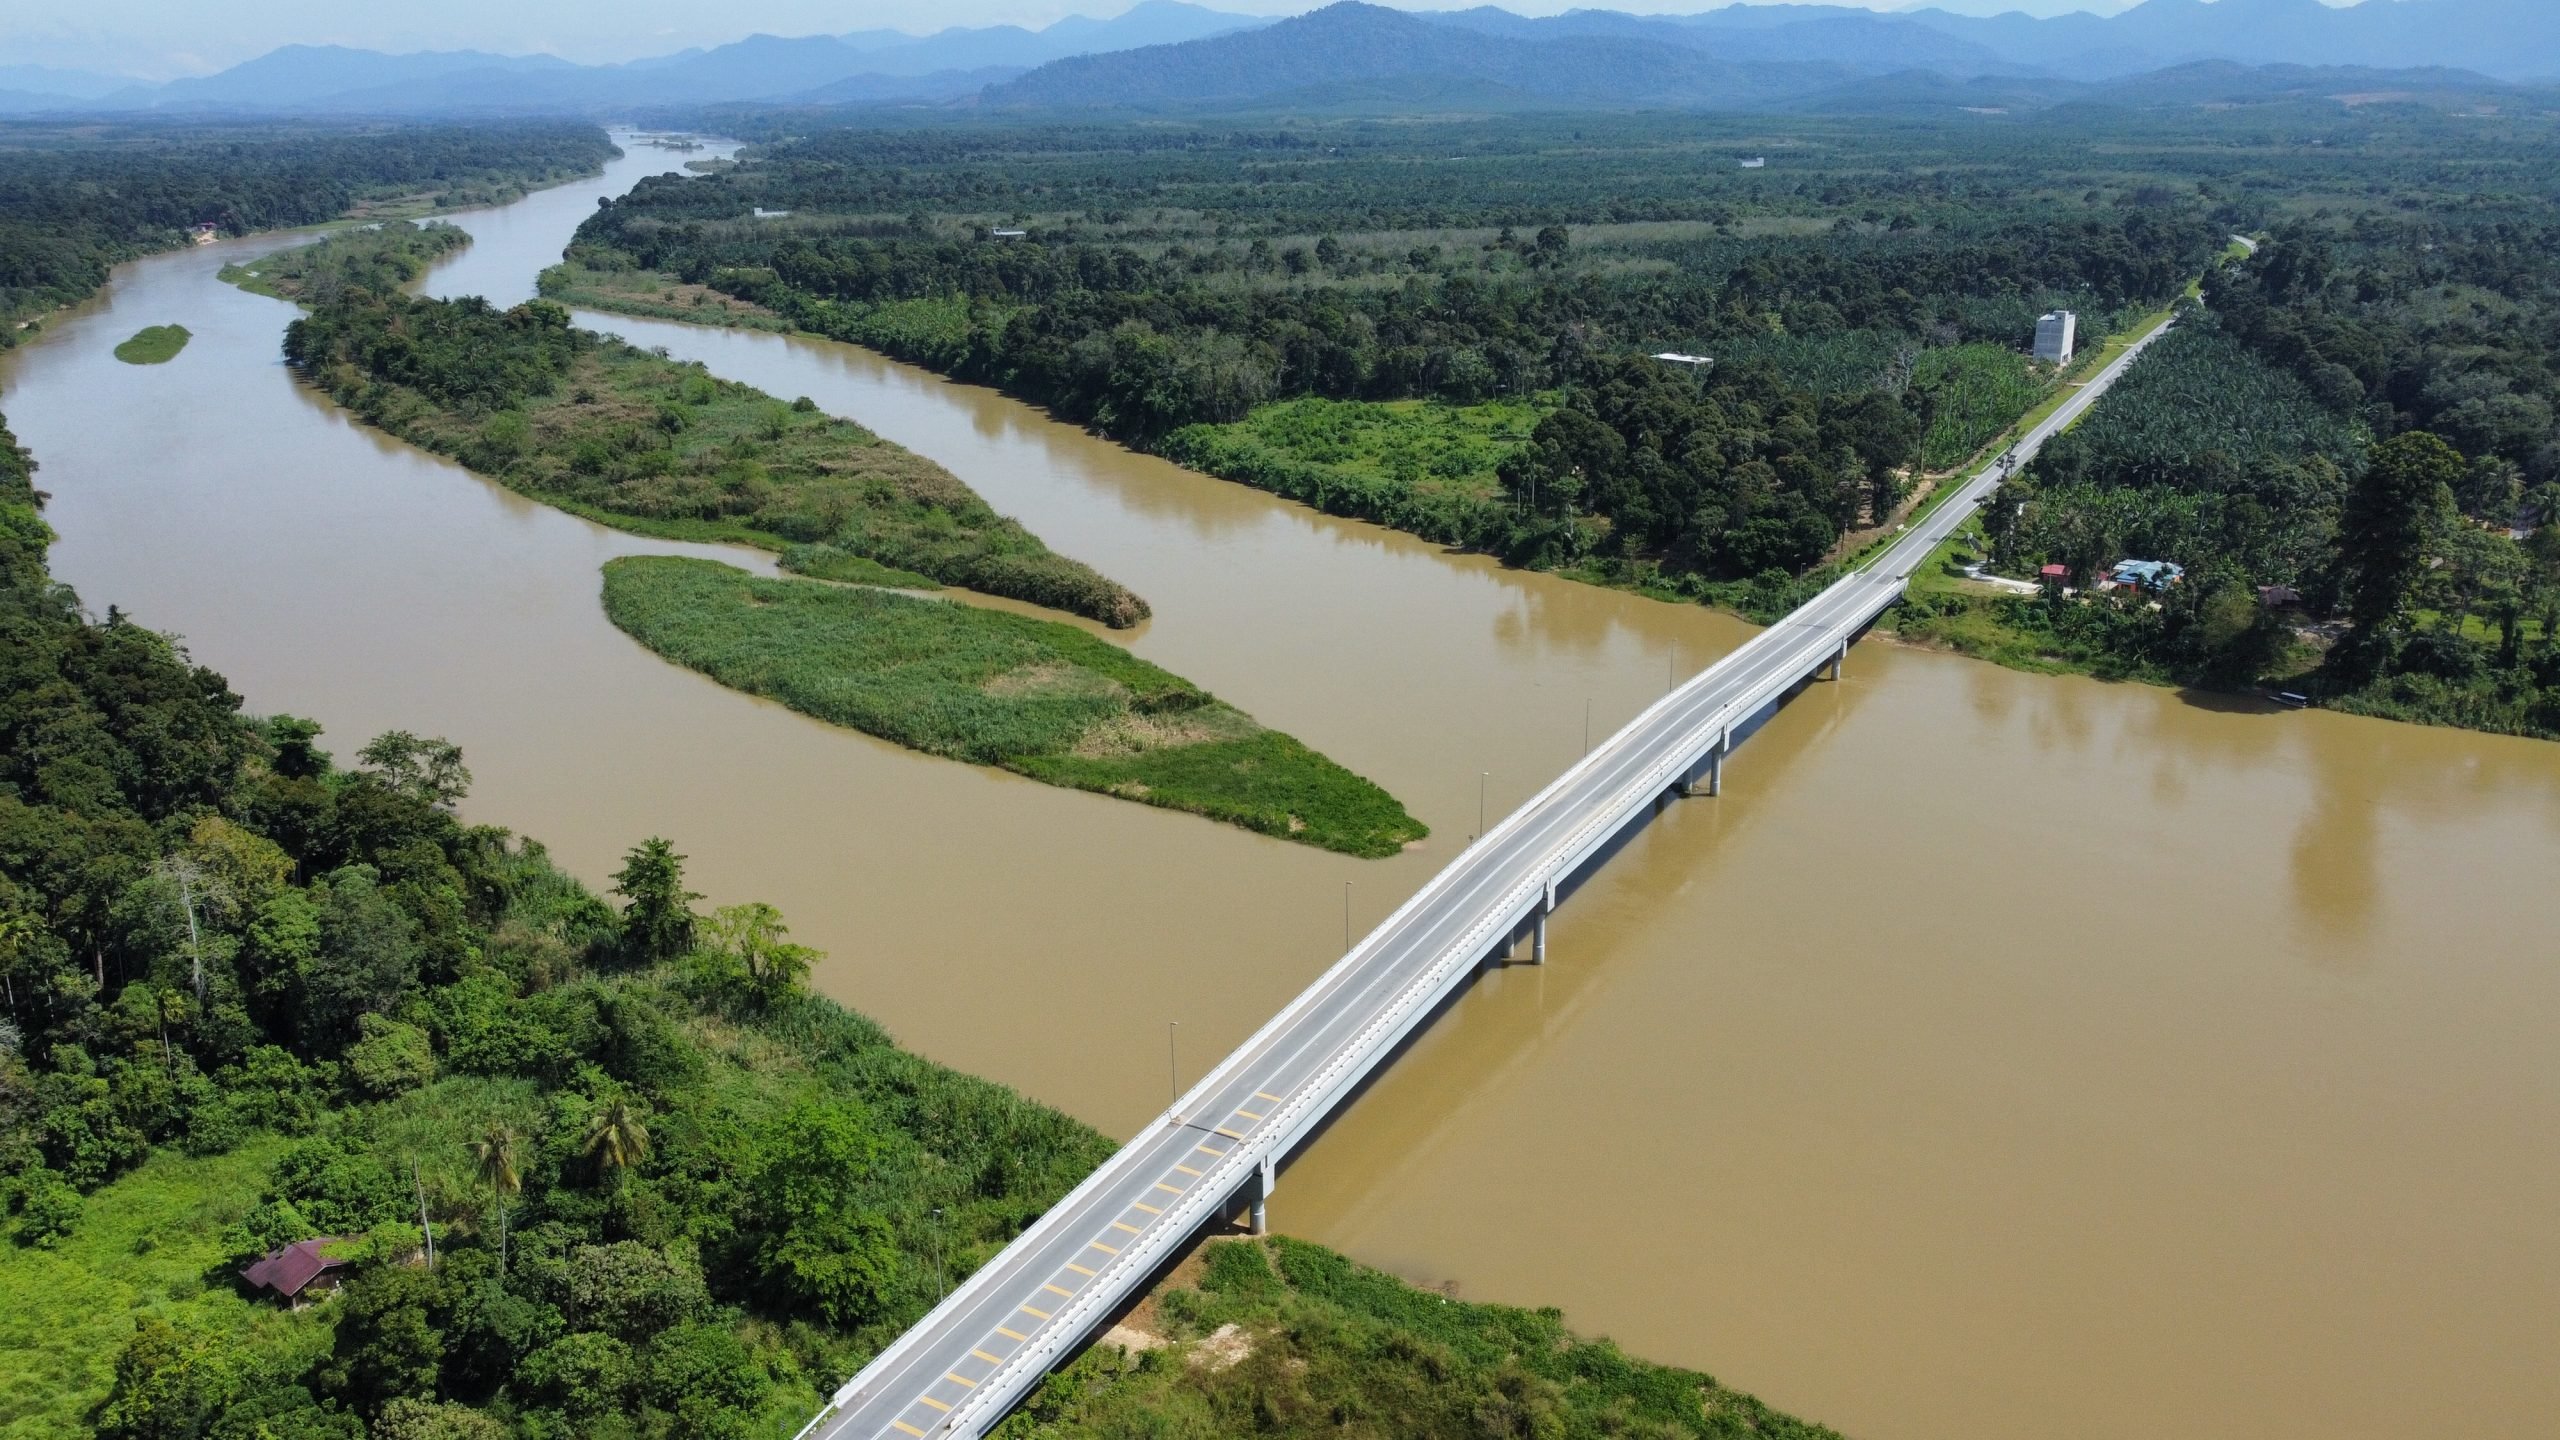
x,y
1133,1340
1144,1319
1130,733
1225,1348
1042,679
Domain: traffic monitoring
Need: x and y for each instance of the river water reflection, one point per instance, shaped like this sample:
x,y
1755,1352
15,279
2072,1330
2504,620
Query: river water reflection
x,y
2000,1056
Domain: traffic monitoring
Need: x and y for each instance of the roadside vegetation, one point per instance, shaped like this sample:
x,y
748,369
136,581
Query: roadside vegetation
x,y
633,439
384,258
1281,1338
1036,697
2354,462
85,196
154,345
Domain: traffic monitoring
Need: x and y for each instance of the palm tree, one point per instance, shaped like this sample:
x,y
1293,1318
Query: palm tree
x,y
616,1139
495,1154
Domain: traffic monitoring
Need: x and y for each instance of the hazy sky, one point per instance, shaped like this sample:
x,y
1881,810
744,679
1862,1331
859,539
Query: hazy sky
x,y
159,39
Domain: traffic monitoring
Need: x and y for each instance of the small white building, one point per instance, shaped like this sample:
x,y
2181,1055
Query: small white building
x,y
1756,162
2057,337
997,232
1674,357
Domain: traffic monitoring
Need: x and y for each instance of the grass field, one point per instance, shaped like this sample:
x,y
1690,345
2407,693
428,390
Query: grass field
x,y
152,1243
1039,698
154,345
655,296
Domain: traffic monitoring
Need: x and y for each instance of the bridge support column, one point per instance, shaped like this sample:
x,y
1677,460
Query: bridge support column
x,y
1839,658
1538,946
1262,1198
1715,764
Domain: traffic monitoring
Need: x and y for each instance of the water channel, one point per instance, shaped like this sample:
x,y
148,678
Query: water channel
x,y
2001,1056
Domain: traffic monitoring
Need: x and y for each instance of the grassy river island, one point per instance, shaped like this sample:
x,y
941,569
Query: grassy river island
x,y
633,439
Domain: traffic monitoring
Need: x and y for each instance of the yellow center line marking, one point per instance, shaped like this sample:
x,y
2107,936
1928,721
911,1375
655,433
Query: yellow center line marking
x,y
963,1379
1010,1335
1098,1245
1230,1134
1034,1314
1079,1269
1249,1115
936,1404
1143,1205
1059,1290
903,1425
1168,1189
1124,1225
983,1355
1266,1095
1187,1170
1205,1150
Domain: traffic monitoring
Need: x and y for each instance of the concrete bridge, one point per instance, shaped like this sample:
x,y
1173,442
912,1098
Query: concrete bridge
x,y
962,1367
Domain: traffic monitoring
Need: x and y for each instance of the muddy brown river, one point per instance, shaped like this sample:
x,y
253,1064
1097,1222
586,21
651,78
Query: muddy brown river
x,y
2001,1056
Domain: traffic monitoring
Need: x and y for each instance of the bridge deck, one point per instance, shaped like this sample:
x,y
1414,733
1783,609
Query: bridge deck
x,y
964,1365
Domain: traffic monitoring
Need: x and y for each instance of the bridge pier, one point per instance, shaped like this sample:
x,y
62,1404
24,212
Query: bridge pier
x,y
1262,1198
1538,946
1839,658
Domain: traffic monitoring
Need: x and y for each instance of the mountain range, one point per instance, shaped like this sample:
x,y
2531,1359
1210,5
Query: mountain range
x,y
1169,54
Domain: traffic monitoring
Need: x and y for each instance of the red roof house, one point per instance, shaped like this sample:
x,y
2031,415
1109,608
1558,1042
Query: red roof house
x,y
295,1269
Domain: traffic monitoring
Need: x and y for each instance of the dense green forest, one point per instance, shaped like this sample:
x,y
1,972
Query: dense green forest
x,y
634,439
74,203
1340,311
1172,287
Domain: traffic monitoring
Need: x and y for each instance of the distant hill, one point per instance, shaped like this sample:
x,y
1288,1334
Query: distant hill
x,y
301,75
1168,54
1355,44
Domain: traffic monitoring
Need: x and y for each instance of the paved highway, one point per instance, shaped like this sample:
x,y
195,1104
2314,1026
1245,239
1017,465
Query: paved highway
x,y
964,1365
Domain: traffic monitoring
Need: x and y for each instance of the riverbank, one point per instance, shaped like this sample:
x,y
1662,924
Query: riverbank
x,y
628,438
1032,696
84,204
570,1162
1427,468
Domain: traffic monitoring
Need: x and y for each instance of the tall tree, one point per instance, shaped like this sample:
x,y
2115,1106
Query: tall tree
x,y
657,920
617,1138
2382,535
494,1156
